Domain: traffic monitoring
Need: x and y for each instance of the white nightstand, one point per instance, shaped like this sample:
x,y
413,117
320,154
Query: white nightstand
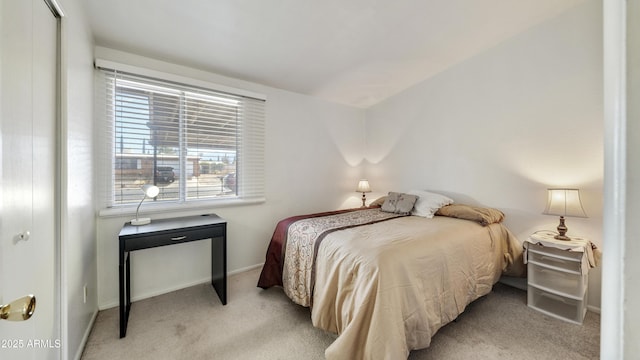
x,y
558,275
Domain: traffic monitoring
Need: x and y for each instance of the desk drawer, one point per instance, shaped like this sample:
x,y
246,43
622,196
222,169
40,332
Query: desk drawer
x,y
172,237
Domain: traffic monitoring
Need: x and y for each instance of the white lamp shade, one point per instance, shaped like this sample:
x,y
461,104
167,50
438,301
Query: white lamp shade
x,y
363,186
564,202
150,190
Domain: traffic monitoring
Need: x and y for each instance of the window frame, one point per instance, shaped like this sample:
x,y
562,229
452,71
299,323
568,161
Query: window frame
x,y
106,164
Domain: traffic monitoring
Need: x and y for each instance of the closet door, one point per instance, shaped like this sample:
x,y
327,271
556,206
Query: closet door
x,y
28,232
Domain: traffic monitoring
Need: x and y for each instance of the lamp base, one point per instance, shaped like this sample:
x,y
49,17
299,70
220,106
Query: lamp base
x,y
562,230
140,221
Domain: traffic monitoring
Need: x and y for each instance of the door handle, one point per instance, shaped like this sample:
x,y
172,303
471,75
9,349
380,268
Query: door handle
x,y
19,309
23,236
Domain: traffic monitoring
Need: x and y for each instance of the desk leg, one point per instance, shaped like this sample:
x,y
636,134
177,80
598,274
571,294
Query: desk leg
x,y
219,266
128,274
123,326
125,292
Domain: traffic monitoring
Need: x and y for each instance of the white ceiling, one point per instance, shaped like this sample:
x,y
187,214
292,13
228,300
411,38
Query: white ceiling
x,y
355,52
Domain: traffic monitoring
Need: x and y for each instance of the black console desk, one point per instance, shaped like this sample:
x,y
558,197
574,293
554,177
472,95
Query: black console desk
x,y
168,232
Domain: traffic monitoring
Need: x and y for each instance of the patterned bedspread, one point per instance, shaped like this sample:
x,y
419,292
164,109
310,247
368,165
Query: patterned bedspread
x,y
387,287
271,274
301,247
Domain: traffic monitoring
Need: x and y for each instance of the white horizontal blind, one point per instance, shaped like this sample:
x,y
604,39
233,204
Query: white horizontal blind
x,y
193,143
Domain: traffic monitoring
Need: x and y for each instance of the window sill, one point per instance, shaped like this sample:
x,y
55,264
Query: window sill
x,y
151,208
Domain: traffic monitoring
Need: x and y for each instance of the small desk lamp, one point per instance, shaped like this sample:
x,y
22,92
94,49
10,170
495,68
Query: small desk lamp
x,y
149,191
363,187
564,202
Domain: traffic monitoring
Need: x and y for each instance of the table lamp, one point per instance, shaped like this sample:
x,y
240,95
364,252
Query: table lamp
x,y
363,187
564,202
149,191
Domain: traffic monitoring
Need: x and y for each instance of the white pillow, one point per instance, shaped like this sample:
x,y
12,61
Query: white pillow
x,y
428,203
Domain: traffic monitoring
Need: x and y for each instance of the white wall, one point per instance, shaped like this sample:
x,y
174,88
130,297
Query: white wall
x,y
497,129
314,150
79,256
631,249
501,127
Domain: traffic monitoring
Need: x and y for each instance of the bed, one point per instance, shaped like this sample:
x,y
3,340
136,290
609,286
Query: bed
x,y
386,282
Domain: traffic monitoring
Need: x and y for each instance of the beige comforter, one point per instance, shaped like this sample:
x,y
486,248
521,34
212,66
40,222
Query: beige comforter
x,y
388,287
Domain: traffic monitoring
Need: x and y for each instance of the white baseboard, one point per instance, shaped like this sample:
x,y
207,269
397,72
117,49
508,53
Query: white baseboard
x,y
161,291
244,269
87,332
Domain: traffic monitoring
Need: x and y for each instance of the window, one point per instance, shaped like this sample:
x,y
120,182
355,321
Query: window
x,y
194,143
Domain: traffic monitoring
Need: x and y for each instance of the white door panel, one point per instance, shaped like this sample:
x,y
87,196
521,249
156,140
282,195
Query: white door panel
x,y
28,70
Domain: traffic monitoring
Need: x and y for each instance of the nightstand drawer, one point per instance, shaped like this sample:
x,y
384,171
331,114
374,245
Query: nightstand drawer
x,y
561,259
557,306
564,283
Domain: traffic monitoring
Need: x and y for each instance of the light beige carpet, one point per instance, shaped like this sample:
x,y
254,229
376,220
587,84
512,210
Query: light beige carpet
x,y
264,324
